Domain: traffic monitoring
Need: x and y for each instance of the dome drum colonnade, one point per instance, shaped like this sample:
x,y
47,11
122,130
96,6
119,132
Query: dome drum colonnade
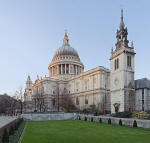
x,y
66,61
65,69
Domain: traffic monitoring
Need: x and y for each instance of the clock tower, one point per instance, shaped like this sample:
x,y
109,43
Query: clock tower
x,y
122,72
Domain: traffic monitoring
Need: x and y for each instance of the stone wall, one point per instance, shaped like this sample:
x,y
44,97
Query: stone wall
x,y
6,122
125,121
52,116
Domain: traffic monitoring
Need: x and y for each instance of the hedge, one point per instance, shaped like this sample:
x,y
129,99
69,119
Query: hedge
x,y
12,133
16,136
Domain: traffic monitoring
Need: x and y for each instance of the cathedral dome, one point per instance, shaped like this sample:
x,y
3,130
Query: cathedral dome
x,y
65,49
66,61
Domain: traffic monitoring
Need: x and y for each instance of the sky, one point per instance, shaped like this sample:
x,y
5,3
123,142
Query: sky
x,y
32,30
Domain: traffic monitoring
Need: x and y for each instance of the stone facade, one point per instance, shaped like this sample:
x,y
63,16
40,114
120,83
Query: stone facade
x,y
66,75
142,93
122,73
109,90
91,88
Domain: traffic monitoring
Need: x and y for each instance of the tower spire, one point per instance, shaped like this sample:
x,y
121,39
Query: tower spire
x,y
122,22
122,34
66,39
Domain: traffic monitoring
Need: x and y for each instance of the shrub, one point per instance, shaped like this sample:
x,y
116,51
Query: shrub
x,y
15,137
16,126
21,120
85,119
134,124
141,115
135,114
5,138
122,114
100,120
120,122
11,130
91,119
109,121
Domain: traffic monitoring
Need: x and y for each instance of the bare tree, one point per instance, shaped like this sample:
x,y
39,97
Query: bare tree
x,y
40,103
8,104
39,100
18,95
66,102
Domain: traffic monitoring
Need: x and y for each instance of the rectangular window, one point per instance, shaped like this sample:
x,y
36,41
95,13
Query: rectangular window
x,y
143,99
117,64
143,91
129,61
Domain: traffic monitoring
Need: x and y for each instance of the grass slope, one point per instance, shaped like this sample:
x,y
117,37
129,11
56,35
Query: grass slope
x,y
82,132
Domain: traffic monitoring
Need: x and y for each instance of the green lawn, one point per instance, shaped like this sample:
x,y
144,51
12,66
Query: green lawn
x,y
82,132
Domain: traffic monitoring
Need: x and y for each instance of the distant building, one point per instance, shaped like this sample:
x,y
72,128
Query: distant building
x,y
142,93
111,90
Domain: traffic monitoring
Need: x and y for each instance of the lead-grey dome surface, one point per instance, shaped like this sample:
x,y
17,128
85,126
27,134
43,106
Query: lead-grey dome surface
x,y
66,50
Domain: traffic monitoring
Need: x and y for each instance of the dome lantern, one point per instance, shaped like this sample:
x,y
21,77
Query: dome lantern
x,y
65,40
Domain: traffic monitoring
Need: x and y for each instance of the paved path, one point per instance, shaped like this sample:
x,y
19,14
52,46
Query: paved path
x,y
4,120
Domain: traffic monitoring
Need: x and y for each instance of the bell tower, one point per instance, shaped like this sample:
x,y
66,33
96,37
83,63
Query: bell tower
x,y
122,72
28,90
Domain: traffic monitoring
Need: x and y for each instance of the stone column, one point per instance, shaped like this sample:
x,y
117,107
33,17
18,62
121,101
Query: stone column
x,y
65,68
61,69
52,71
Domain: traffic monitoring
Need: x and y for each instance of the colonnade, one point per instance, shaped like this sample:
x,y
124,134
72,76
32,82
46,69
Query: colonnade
x,y
65,69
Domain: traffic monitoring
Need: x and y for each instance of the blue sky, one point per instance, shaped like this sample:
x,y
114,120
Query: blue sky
x,y
32,30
